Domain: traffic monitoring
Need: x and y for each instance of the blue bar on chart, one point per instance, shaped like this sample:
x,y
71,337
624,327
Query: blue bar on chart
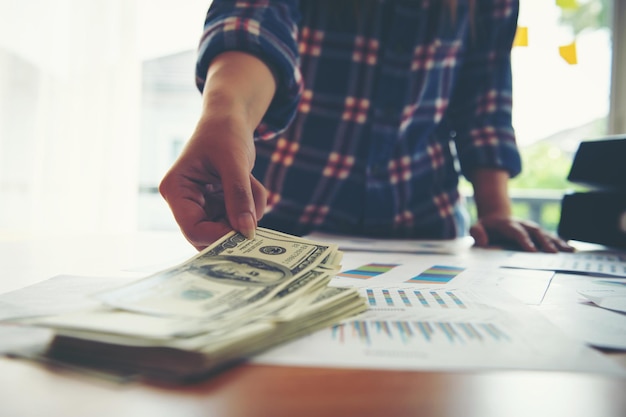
x,y
421,298
424,328
383,327
448,331
404,298
367,271
437,274
388,298
459,303
494,331
361,331
470,331
404,330
337,332
439,300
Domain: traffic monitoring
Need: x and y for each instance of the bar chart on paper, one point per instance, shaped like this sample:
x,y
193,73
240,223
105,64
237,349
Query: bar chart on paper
x,y
602,264
425,328
422,316
437,274
367,271
403,299
407,333
407,272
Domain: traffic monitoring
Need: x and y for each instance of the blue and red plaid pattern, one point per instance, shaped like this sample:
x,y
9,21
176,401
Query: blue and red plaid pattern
x,y
378,109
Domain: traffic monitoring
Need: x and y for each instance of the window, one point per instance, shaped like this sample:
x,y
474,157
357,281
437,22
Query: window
x,y
74,105
557,103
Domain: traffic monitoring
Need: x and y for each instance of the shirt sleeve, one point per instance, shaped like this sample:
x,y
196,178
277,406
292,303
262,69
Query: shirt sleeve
x,y
264,28
482,103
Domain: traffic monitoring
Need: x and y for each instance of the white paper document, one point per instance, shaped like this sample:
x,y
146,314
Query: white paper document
x,y
576,315
57,295
366,269
609,294
349,243
437,313
416,328
592,263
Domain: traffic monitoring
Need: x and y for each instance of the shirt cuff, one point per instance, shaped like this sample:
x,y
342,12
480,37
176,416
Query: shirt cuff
x,y
268,35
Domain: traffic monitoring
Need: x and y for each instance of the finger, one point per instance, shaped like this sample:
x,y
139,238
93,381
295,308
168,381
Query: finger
x,y
205,234
511,231
520,236
549,242
187,203
185,199
192,220
239,199
260,194
543,241
478,232
564,246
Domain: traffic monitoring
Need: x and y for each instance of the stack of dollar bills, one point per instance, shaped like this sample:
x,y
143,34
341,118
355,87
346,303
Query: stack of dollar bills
x,y
234,299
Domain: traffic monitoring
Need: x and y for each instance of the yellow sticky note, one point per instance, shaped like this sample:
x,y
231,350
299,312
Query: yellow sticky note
x,y
567,4
521,36
568,53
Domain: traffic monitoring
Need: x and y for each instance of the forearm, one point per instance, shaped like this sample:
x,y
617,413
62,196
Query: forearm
x,y
238,87
491,192
221,154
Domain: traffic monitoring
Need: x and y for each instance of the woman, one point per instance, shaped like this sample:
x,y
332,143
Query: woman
x,y
353,117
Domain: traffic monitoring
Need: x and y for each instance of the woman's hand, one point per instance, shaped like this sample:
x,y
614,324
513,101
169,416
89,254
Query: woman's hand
x,y
210,188
524,234
497,226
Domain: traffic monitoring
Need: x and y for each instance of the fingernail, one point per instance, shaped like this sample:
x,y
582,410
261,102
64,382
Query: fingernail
x,y
247,225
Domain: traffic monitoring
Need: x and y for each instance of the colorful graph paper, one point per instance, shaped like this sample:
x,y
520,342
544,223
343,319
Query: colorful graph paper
x,y
403,299
367,271
437,274
416,332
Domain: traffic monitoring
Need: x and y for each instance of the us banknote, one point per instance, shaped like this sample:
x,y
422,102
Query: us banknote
x,y
232,276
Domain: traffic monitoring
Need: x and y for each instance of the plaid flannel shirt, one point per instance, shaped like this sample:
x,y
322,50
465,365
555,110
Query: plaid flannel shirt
x,y
379,108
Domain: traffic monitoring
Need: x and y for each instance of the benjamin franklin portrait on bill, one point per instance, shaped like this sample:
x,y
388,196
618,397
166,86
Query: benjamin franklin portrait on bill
x,y
240,270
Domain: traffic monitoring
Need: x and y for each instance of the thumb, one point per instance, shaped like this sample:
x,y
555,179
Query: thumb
x,y
478,232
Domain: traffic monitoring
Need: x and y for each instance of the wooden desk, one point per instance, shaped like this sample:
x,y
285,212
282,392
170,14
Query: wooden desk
x,y
251,390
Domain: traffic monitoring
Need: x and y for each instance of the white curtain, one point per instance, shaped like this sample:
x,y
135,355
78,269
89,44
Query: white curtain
x,y
69,116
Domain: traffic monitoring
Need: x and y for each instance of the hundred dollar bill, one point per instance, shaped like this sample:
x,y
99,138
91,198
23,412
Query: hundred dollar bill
x,y
114,325
188,359
293,297
229,277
